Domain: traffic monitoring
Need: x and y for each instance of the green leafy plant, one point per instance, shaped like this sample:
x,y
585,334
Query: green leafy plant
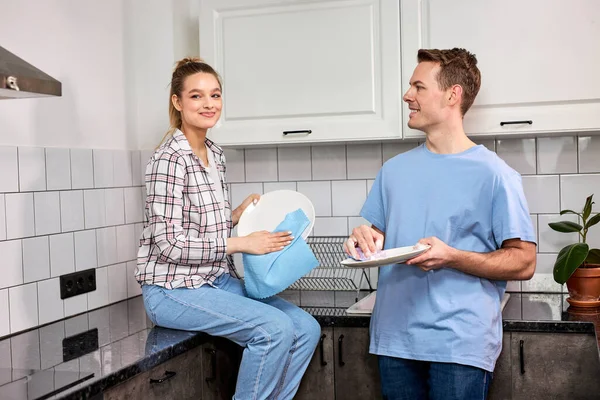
x,y
576,255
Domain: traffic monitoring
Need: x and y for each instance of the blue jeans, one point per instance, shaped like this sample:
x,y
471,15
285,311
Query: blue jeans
x,y
278,337
424,380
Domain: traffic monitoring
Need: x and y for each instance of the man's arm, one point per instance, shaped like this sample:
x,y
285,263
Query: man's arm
x,y
514,261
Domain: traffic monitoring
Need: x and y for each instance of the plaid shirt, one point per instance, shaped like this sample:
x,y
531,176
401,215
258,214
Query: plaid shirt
x,y
184,242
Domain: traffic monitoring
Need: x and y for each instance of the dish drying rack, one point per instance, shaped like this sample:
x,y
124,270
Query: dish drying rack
x,y
330,274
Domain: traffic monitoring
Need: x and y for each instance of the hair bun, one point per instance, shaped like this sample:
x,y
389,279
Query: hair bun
x,y
188,60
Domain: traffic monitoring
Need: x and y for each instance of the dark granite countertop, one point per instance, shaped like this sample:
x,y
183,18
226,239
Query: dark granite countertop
x,y
81,356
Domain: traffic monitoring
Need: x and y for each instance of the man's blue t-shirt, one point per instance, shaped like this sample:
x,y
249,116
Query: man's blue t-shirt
x,y
472,201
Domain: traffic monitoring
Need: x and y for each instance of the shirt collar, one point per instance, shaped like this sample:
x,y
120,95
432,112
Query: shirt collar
x,y
181,141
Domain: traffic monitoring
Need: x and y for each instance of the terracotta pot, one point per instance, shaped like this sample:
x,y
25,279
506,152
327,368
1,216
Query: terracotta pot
x,y
584,287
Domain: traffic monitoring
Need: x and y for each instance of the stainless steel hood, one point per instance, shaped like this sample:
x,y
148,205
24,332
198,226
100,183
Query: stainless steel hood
x,y
19,79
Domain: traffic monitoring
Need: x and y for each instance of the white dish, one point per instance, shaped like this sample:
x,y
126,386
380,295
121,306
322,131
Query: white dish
x,y
271,210
363,306
391,256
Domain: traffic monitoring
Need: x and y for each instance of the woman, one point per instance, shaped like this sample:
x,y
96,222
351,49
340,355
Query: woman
x,y
184,261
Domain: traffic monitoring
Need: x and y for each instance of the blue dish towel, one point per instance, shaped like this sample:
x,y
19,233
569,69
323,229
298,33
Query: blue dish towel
x,y
268,274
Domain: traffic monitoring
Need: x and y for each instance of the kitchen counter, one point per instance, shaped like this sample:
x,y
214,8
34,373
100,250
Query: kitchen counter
x,y
79,357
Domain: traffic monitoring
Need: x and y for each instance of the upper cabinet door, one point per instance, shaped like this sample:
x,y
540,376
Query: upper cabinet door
x,y
539,59
331,68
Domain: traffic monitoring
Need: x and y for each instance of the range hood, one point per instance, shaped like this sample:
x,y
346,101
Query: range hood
x,y
19,79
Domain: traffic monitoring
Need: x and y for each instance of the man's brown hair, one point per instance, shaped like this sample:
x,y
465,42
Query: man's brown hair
x,y
457,67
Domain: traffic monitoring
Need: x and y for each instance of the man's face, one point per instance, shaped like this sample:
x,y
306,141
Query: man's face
x,y
426,102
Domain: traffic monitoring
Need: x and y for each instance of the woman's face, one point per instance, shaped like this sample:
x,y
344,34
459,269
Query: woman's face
x,y
200,102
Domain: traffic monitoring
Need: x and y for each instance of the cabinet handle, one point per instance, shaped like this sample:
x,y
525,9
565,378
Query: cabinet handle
x,y
213,361
530,122
168,375
522,356
340,356
323,362
307,131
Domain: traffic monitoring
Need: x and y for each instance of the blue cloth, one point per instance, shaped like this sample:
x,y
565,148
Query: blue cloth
x,y
268,274
472,201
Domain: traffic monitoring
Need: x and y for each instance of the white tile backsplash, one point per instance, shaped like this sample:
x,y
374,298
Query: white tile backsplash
x,y
23,307
239,192
136,168
85,250
272,186
71,210
574,189
551,241
50,305
261,165
557,155
134,211
9,178
4,317
106,245
75,305
363,160
58,169
518,153
99,297
328,162
319,193
542,193
294,163
19,215
62,254
47,212
2,218
543,280
126,247
115,206
330,226
234,159
12,263
103,168
122,168
117,282
589,154
36,259
32,169
133,287
94,208
82,169
392,149
348,197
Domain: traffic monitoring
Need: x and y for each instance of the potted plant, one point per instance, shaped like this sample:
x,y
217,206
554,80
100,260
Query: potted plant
x,y
576,264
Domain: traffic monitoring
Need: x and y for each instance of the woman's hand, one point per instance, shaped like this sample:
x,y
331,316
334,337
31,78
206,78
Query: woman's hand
x,y
237,213
264,242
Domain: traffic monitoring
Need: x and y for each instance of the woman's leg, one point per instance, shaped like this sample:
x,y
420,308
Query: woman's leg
x,y
266,332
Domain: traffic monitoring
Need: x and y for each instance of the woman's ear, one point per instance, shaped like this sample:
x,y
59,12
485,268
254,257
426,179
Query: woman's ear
x,y
175,101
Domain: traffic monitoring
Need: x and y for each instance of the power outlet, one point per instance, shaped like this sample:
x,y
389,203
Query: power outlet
x,y
77,283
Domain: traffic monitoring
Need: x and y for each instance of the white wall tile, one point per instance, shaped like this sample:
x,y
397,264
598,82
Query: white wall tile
x,y
117,282
12,263
513,286
71,210
133,287
106,246
543,280
23,307
122,168
133,205
50,305
239,192
136,172
589,154
542,194
328,162
261,165
392,149
58,169
32,169
94,208
99,297
103,168
85,250
354,222
62,254
235,165
47,212
319,193
363,160
19,215
489,143
82,169
330,226
272,186
551,241
4,315
541,307
75,305
574,189
9,178
518,153
115,206
294,163
557,155
36,259
348,197
126,247
2,218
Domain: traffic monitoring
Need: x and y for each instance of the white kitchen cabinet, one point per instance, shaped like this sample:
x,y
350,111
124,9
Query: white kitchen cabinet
x,y
331,68
539,60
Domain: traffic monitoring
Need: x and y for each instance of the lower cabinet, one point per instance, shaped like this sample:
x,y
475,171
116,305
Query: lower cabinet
x,y
220,364
342,367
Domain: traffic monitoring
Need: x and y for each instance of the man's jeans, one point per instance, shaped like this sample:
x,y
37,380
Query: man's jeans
x,y
422,380
278,337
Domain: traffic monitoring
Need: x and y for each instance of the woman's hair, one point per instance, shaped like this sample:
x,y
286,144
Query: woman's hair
x,y
184,68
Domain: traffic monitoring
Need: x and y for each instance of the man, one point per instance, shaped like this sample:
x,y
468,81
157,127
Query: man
x,y
437,324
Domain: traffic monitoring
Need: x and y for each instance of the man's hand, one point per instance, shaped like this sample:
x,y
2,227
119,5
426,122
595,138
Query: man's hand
x,y
367,238
237,213
438,256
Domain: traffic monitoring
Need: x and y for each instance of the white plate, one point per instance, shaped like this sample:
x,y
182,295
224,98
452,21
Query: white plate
x,y
364,306
392,256
271,209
